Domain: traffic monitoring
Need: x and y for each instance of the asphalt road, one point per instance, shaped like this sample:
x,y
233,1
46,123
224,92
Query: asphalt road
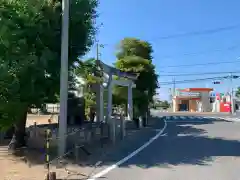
x,y
192,147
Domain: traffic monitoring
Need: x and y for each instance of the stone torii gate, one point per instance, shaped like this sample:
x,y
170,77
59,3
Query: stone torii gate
x,y
110,71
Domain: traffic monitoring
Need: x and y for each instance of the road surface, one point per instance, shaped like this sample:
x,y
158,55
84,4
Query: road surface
x,y
191,147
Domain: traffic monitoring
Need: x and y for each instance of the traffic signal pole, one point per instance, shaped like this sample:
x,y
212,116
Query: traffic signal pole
x,y
232,94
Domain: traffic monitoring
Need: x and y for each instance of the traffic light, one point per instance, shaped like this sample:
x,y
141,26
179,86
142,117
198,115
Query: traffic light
x,y
216,82
235,77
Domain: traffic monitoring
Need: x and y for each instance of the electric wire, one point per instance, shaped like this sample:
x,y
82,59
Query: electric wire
x,y
186,34
193,80
230,48
199,33
202,64
197,74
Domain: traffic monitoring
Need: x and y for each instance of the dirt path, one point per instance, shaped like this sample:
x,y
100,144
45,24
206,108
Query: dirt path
x,y
13,168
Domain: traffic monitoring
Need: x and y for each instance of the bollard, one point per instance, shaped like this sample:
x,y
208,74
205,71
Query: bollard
x,y
101,133
47,153
146,121
1,136
51,176
140,121
76,152
35,129
113,130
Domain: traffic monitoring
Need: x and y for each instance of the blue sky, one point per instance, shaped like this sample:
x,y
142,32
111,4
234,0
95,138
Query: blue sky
x,y
151,20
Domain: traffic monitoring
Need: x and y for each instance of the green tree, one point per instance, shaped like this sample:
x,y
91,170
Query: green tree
x,y
238,92
134,55
164,104
30,49
88,71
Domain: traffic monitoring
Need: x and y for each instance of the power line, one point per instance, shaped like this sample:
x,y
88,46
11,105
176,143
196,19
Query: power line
x,y
197,33
231,48
202,64
193,80
193,33
197,74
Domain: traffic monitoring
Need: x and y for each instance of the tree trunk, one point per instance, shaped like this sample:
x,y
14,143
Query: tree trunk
x,y
92,115
18,139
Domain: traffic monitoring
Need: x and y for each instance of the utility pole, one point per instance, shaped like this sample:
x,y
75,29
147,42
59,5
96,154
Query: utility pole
x,y
232,94
173,92
63,79
97,51
174,86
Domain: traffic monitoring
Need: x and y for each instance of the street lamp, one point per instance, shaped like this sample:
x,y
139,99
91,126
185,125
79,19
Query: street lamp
x,y
63,79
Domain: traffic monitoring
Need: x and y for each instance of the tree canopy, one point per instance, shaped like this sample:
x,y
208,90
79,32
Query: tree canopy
x,y
238,92
30,50
88,71
162,104
134,55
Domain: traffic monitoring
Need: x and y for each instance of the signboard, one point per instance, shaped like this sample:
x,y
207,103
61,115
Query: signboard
x,y
225,107
188,94
212,94
217,95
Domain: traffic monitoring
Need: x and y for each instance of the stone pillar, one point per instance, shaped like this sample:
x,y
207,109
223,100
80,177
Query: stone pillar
x,y
113,129
100,103
130,102
109,107
123,130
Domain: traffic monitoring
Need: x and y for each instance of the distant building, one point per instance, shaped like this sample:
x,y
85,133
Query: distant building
x,y
202,100
221,102
192,100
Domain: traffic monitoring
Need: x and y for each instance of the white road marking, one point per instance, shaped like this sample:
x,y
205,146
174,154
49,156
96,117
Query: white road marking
x,y
187,121
211,117
227,118
110,168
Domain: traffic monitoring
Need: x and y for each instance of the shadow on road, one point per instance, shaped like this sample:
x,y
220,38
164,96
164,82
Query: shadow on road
x,y
183,143
186,143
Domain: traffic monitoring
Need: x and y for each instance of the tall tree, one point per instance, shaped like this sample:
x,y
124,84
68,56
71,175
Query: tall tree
x,y
134,55
238,92
88,71
30,49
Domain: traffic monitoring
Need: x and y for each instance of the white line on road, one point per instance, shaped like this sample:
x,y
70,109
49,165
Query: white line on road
x,y
110,168
182,121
